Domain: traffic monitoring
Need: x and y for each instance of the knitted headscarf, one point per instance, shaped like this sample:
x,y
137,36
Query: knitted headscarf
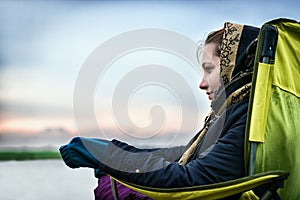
x,y
236,62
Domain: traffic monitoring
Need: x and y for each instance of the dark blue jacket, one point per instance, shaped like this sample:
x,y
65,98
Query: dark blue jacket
x,y
220,157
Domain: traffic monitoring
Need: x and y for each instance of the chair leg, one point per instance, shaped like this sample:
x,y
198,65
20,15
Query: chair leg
x,y
267,195
114,189
272,188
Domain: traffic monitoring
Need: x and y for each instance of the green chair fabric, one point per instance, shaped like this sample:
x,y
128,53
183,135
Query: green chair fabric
x,y
275,117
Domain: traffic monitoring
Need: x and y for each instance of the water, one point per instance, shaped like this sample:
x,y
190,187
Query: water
x,y
45,179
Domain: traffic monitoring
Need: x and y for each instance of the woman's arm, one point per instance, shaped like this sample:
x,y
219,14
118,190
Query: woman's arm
x,y
85,152
224,162
221,162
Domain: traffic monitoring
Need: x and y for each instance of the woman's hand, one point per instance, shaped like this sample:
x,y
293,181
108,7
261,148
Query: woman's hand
x,y
83,152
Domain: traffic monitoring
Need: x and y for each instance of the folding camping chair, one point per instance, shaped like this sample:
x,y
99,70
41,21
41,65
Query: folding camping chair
x,y
274,120
273,125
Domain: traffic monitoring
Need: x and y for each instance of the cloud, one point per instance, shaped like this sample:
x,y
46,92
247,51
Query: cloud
x,y
19,109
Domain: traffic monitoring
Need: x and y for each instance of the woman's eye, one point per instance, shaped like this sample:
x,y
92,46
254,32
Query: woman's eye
x,y
208,69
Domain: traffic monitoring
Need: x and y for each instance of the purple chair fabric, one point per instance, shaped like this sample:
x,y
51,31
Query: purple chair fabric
x,y
104,192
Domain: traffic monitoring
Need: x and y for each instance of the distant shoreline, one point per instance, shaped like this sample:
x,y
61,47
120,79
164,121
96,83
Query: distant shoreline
x,y
28,155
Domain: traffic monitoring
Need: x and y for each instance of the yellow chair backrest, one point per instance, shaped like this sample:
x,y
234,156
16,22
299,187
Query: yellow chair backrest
x,y
275,116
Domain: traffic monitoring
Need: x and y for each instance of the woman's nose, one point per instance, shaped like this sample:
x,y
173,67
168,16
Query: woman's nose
x,y
203,85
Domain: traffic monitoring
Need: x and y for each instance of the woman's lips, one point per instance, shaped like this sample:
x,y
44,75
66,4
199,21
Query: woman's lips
x,y
210,95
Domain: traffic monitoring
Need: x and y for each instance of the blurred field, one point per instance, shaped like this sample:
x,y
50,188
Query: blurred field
x,y
44,179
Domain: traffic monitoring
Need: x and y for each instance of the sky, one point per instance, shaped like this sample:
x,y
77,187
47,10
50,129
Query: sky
x,y
144,94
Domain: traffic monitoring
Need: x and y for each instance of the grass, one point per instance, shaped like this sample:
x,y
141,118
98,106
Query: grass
x,y
28,155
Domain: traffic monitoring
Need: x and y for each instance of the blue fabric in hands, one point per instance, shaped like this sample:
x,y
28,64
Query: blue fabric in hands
x,y
83,152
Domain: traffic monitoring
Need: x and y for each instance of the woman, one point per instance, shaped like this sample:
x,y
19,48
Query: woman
x,y
216,153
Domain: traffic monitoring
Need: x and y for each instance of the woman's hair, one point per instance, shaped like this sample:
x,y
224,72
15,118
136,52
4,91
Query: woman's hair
x,y
215,37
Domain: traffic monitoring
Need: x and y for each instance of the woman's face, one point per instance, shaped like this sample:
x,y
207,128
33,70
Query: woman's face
x,y
211,67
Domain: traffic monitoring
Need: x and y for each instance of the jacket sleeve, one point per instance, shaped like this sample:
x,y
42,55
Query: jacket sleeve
x,y
224,161
168,154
